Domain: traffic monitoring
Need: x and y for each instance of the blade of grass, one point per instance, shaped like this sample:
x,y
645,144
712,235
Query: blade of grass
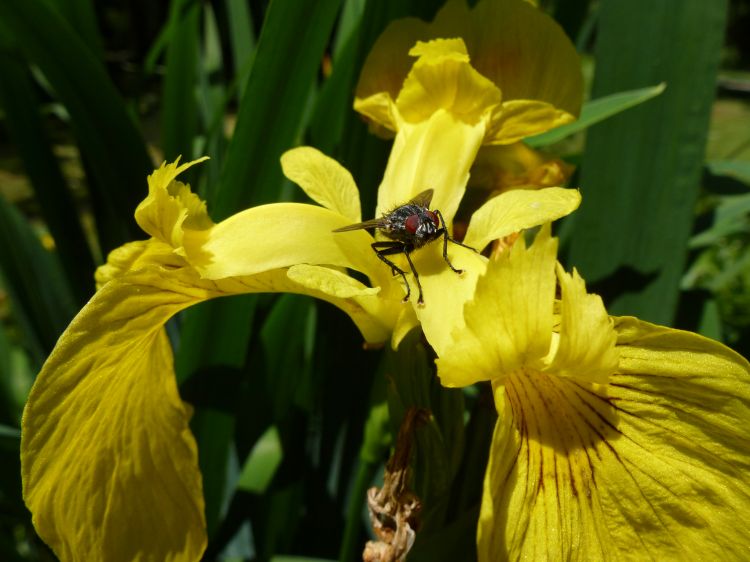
x,y
19,100
110,143
41,300
241,39
268,122
642,169
270,115
212,100
179,105
81,16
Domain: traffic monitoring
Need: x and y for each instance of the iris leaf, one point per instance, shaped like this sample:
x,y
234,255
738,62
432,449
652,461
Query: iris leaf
x,y
595,111
642,169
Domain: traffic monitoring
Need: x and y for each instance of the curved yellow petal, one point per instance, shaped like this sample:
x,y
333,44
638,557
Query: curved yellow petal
x,y
509,322
128,257
518,119
324,180
516,210
517,47
434,154
110,469
280,235
170,206
407,320
442,78
521,49
445,292
654,465
586,350
386,68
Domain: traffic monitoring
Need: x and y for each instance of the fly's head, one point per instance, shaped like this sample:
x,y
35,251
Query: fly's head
x,y
422,225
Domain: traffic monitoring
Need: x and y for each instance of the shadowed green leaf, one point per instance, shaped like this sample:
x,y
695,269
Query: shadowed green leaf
x,y
262,463
42,302
19,100
596,111
113,150
179,106
270,115
642,169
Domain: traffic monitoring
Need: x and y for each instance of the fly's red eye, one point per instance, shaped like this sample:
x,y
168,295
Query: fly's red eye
x,y
412,223
434,218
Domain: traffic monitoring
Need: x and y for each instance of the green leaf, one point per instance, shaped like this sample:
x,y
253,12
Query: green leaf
x,y
270,115
16,379
179,105
241,39
10,438
596,111
42,302
113,149
262,463
642,169
19,100
81,16
737,169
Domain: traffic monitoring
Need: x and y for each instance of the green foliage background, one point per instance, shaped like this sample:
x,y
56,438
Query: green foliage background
x,y
293,418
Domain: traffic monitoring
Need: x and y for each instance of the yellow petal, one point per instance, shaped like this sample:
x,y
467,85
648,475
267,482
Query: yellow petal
x,y
127,257
509,322
540,489
522,50
170,206
516,210
406,322
511,43
518,119
586,350
445,291
110,469
653,466
109,466
434,154
442,78
281,235
324,180
385,69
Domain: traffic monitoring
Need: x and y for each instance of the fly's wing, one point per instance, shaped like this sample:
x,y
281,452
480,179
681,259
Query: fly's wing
x,y
372,223
424,198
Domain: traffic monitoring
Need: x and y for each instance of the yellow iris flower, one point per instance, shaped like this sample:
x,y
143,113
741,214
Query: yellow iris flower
x,y
106,443
616,439
109,465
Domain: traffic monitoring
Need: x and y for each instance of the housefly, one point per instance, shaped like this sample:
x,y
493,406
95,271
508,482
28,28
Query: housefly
x,y
409,227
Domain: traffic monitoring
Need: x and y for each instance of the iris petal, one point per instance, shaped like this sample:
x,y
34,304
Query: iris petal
x,y
280,235
653,465
508,323
516,210
521,50
324,180
434,154
105,443
586,349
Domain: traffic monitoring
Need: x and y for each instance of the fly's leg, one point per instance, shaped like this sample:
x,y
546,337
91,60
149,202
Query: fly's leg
x,y
383,249
446,238
420,300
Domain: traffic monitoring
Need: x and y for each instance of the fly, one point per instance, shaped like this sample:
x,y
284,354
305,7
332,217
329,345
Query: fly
x,y
409,227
